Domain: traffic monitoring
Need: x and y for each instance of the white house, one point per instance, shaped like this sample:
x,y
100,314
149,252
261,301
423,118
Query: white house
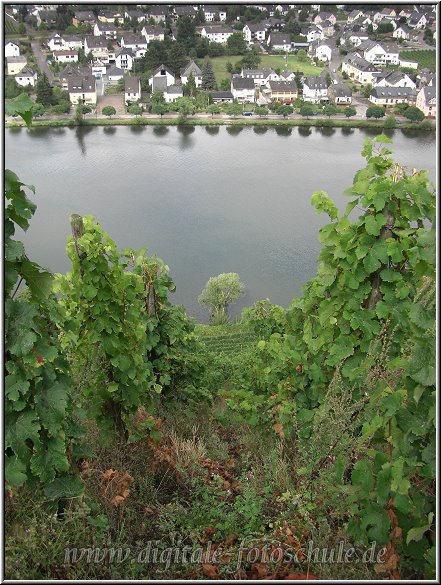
x,y
152,32
137,43
104,29
66,56
212,12
188,70
401,32
114,74
286,75
279,41
56,42
124,59
15,64
320,50
97,46
158,13
417,20
379,54
353,15
243,89
161,77
322,16
260,76
217,34
340,93
82,89
394,79
72,42
172,93
315,33
12,49
359,69
26,76
132,90
254,32
353,39
315,89
390,96
135,14
426,100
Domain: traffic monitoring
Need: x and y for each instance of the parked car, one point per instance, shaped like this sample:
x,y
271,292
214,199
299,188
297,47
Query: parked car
x,y
247,113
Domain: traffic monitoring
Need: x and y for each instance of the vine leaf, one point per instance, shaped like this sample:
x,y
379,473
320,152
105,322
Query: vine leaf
x,y
21,105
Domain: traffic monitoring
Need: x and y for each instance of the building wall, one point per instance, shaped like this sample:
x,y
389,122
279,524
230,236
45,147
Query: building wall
x,y
89,98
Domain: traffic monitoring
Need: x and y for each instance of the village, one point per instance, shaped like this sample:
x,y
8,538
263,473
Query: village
x,y
231,60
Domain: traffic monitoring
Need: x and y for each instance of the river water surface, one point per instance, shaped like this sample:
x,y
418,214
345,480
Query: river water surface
x,y
205,199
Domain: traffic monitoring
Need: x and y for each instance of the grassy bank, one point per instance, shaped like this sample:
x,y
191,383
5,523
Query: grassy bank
x,y
424,58
274,61
209,121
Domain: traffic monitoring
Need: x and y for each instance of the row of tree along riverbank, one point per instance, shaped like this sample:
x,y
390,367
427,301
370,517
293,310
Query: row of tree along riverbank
x,y
426,125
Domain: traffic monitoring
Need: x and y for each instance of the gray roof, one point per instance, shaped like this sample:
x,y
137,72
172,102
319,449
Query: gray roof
x,y
74,70
191,68
175,89
429,92
96,42
356,61
159,84
135,13
124,51
185,10
25,72
221,95
258,73
72,38
153,29
131,84
392,92
80,83
283,86
84,15
218,29
106,26
315,82
255,27
115,71
158,10
134,39
280,39
340,90
162,67
393,76
242,83
16,59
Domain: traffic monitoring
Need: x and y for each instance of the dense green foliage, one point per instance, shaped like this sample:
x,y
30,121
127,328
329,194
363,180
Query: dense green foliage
x,y
426,58
369,316
39,409
126,332
218,294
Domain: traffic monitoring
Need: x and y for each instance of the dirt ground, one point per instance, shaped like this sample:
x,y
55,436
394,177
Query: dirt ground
x,y
117,101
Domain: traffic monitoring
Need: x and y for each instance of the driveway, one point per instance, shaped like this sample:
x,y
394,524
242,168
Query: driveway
x,y
117,101
40,57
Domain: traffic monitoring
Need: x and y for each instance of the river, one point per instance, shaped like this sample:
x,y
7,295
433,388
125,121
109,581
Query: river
x,y
204,199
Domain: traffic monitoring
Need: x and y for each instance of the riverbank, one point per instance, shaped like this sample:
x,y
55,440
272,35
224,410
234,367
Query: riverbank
x,y
426,125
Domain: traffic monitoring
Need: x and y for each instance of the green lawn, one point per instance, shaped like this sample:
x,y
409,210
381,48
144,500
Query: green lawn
x,y
274,61
424,58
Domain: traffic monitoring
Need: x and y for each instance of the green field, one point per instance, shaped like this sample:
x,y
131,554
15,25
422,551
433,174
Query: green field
x,y
274,61
424,58
11,27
